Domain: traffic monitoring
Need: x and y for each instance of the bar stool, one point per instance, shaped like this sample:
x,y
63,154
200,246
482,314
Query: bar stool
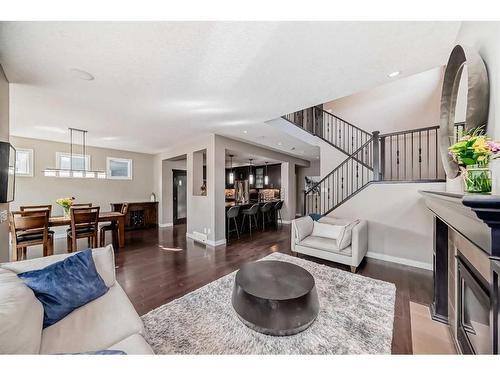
x,y
266,211
232,213
277,212
251,213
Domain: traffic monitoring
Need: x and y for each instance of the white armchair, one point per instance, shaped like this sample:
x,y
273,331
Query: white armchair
x,y
337,240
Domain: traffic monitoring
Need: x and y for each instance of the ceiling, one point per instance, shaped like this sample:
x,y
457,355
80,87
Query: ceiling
x,y
158,83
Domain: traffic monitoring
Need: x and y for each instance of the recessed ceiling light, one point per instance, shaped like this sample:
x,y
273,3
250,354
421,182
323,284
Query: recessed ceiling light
x,y
279,143
394,74
82,74
245,132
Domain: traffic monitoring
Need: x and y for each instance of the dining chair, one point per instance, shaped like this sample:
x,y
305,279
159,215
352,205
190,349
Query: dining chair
x,y
38,207
84,224
47,207
30,228
77,205
113,227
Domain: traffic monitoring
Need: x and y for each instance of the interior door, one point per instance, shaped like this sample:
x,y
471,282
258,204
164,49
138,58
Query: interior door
x,y
179,196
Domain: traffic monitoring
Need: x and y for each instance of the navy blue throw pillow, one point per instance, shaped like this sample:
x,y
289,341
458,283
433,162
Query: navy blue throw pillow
x,y
66,285
315,217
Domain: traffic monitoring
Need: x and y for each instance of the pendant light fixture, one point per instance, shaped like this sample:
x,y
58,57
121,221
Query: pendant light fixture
x,y
231,174
250,176
266,177
72,171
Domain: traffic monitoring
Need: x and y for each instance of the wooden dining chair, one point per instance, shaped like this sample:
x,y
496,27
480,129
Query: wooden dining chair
x,y
84,224
30,228
78,205
36,208
113,227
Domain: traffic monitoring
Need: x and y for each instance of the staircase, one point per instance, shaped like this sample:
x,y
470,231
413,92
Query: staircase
x,y
405,156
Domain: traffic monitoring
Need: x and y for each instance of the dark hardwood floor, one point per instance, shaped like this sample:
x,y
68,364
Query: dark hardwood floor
x,y
160,265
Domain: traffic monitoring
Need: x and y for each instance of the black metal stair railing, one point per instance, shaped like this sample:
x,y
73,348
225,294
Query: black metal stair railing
x,y
347,179
339,133
411,155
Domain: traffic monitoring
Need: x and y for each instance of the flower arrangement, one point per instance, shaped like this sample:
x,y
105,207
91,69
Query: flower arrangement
x,y
473,153
66,204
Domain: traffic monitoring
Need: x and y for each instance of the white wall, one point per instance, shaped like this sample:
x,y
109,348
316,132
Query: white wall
x,y
4,136
45,190
399,223
406,103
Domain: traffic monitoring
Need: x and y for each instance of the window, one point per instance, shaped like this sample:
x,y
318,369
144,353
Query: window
x,y
119,169
80,162
24,162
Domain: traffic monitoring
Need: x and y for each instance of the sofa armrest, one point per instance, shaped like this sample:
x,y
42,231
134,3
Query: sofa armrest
x,y
359,242
301,228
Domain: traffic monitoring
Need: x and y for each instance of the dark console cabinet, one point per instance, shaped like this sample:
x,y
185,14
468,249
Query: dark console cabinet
x,y
140,214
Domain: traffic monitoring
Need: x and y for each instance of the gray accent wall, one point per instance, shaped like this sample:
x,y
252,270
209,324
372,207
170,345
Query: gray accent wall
x,y
4,136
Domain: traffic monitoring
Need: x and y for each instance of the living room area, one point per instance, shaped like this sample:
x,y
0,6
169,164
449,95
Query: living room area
x,y
212,188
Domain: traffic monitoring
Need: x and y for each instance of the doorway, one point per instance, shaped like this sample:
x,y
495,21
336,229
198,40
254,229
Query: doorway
x,y
179,196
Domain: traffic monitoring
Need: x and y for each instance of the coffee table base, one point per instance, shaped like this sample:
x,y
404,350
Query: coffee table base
x,y
273,332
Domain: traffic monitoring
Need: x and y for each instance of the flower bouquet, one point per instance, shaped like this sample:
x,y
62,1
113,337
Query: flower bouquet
x,y
66,204
473,153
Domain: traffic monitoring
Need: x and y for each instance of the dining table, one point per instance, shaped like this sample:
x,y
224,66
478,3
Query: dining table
x,y
116,217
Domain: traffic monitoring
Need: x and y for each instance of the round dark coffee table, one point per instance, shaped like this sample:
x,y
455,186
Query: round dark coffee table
x,y
275,298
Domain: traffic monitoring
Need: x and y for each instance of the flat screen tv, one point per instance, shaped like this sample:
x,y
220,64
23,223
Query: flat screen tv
x,y
7,172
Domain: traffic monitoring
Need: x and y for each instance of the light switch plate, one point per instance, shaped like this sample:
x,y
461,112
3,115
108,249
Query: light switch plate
x,y
3,216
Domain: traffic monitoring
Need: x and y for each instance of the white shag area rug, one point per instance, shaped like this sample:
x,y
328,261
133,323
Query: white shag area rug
x,y
356,317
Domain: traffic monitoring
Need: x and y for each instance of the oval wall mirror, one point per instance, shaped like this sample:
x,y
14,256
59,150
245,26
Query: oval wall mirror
x,y
464,100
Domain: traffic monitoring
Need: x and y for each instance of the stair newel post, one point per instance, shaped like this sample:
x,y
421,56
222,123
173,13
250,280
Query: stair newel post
x,y
376,155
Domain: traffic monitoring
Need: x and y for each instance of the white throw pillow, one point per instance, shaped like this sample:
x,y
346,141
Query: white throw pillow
x,y
327,230
21,316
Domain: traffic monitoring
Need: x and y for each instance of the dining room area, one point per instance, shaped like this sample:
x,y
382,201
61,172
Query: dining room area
x,y
34,228
67,197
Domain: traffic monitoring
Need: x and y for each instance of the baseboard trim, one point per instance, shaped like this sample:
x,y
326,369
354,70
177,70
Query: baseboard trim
x,y
406,262
287,222
216,243
207,242
166,225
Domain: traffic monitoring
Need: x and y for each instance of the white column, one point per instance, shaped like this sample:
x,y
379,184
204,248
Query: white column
x,y
288,191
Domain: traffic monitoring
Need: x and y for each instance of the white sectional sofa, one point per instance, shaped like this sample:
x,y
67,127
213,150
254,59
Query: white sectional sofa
x,y
322,239
108,322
